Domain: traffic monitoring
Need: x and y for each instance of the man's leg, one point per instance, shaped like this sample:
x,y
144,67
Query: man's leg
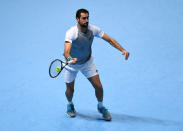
x,y
95,81
69,94
69,91
90,72
70,74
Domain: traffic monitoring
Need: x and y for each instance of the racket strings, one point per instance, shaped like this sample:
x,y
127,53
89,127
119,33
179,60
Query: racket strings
x,y
56,67
53,70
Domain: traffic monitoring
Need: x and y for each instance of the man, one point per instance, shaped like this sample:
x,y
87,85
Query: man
x,y
78,43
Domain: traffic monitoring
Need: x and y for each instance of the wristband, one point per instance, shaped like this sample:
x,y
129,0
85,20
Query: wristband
x,y
69,58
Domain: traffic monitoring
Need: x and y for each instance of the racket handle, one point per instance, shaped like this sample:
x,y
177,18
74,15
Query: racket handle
x,y
65,63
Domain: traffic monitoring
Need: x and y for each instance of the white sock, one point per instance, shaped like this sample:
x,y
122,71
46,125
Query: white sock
x,y
70,102
100,104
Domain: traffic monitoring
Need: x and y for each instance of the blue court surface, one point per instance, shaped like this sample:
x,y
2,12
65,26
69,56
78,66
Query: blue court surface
x,y
144,93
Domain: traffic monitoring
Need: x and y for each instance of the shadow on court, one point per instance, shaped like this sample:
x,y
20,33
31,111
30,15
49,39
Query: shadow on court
x,y
123,118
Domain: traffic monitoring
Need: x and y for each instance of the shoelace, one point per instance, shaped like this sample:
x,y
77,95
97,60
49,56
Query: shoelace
x,y
104,110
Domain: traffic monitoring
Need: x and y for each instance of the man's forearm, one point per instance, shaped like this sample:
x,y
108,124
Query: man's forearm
x,y
115,44
67,49
66,55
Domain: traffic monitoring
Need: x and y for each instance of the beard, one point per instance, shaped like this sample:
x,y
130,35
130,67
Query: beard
x,y
85,25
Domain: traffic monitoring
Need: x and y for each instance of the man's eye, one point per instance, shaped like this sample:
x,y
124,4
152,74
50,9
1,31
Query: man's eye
x,y
84,18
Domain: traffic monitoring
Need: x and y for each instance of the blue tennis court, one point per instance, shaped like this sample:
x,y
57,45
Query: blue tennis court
x,y
144,93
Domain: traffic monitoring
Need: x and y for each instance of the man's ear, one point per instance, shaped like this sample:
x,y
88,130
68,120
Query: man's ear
x,y
77,19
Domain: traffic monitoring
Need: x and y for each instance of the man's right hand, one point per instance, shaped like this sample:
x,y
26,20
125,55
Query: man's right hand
x,y
74,60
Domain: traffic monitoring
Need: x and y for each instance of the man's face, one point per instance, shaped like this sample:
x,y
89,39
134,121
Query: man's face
x,y
83,20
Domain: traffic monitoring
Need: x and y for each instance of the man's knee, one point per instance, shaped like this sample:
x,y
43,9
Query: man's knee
x,y
97,84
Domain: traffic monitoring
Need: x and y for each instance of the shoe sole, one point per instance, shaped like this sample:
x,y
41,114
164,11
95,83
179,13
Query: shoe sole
x,y
104,117
71,116
107,119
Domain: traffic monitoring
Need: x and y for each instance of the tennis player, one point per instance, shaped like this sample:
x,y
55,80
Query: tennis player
x,y
78,42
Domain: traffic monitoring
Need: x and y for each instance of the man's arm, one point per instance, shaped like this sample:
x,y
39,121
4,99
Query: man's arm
x,y
67,50
115,44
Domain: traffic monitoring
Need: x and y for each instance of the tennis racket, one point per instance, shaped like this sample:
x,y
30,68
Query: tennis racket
x,y
56,67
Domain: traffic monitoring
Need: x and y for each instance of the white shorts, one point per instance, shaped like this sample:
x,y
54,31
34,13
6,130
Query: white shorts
x,y
88,69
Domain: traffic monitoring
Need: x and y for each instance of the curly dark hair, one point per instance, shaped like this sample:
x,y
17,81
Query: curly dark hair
x,y
78,13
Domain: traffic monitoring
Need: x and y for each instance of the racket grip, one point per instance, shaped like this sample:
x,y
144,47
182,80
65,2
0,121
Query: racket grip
x,y
70,61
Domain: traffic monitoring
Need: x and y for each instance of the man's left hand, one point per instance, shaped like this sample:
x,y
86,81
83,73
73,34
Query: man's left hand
x,y
126,53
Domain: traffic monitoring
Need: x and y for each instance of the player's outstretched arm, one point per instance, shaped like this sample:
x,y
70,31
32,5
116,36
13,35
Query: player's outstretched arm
x,y
115,44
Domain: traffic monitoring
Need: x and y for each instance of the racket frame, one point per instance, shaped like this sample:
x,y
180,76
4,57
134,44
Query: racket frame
x,y
63,64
